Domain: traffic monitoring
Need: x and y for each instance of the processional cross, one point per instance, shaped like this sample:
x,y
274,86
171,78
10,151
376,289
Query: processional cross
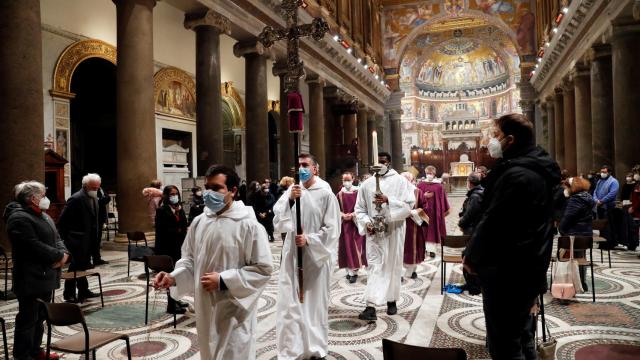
x,y
295,71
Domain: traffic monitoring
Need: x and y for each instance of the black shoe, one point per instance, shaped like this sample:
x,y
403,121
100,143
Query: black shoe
x,y
432,254
369,314
71,300
176,310
348,277
585,287
182,304
414,275
392,309
88,295
100,262
353,279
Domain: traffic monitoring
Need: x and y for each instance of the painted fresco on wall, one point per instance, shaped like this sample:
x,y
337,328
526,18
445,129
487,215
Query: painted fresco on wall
x,y
399,22
517,14
175,99
406,68
486,128
431,137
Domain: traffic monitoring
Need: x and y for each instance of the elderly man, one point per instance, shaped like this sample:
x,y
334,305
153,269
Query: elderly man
x,y
516,220
78,226
38,253
472,206
437,207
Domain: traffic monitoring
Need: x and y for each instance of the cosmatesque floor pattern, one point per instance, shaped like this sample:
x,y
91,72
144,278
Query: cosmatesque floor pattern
x,y
425,317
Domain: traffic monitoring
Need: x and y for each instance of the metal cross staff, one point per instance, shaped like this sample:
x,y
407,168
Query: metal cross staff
x,y
295,71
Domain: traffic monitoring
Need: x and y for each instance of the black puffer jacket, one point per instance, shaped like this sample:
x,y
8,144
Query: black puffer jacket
x,y
471,210
578,216
36,246
513,239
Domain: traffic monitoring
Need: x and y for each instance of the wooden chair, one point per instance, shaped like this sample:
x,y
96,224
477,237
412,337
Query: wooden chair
x,y
5,259
134,238
600,225
4,338
156,263
112,225
84,342
453,242
392,350
579,243
79,274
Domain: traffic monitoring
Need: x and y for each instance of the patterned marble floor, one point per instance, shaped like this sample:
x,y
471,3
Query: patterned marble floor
x,y
425,317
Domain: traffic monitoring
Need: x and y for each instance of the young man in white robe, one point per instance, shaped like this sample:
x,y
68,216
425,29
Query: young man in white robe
x,y
384,250
226,263
302,330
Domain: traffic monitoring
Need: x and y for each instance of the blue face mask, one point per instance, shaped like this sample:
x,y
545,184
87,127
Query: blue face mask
x,y
305,174
213,200
174,199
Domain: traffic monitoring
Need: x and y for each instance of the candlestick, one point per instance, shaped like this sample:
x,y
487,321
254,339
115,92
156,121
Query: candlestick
x,y
374,145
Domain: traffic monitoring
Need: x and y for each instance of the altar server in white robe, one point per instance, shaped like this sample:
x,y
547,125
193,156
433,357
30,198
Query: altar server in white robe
x,y
226,263
302,330
384,250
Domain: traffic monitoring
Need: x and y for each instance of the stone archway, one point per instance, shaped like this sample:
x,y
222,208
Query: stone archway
x,y
61,94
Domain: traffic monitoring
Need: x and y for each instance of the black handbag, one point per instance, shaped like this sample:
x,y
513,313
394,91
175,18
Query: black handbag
x,y
137,253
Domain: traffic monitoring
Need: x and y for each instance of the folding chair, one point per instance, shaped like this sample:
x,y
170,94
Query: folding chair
x,y
579,243
4,338
79,274
600,225
84,342
454,242
135,252
112,225
156,263
392,350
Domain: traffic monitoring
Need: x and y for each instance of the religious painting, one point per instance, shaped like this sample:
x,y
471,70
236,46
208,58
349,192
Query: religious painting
x,y
62,142
406,68
517,14
486,128
399,22
453,7
175,93
431,137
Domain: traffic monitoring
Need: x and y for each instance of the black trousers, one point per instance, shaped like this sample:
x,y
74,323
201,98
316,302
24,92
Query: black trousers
x,y
95,247
29,326
70,285
510,326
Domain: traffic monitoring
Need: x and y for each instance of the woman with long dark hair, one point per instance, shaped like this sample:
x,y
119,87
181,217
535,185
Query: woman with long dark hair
x,y
171,229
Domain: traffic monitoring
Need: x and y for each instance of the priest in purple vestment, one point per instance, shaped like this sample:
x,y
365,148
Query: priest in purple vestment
x,y
351,247
437,206
415,237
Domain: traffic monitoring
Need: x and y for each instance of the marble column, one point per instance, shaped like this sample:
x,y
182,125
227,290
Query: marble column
x,y
363,139
21,150
543,132
135,112
208,27
625,57
285,139
559,126
317,121
601,106
257,135
584,152
550,101
396,139
529,110
569,120
371,127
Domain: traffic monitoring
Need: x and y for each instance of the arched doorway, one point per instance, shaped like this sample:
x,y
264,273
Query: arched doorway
x,y
93,122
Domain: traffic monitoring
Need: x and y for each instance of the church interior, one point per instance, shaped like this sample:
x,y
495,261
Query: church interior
x,y
136,90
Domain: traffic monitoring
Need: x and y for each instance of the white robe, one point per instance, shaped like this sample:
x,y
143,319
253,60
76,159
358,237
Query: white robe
x,y
235,245
385,251
302,330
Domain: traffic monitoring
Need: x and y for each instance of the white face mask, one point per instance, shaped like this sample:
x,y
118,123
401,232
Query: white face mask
x,y
347,184
604,175
93,193
198,193
495,148
636,177
429,177
44,203
629,179
567,193
174,199
383,169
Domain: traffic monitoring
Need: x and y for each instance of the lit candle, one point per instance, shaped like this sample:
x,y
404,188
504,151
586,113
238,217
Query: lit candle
x,y
374,145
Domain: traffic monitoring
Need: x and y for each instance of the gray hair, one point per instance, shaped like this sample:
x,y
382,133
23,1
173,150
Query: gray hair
x,y
90,178
26,190
474,178
430,168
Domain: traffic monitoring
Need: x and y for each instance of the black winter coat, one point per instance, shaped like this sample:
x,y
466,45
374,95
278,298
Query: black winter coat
x,y
512,242
196,207
559,202
578,216
36,246
78,226
471,210
171,229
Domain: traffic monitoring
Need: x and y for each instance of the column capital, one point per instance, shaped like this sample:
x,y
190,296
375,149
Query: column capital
x,y
558,90
625,27
315,79
582,69
279,69
252,47
600,51
209,18
567,84
527,105
549,100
